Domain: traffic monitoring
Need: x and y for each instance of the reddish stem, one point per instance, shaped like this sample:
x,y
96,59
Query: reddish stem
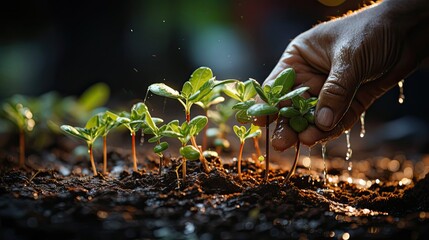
x,y
267,149
133,149
184,169
21,162
204,142
292,170
202,158
91,158
240,153
161,159
104,154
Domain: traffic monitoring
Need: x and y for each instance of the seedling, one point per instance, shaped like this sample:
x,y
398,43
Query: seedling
x,y
199,86
92,130
220,118
243,134
300,115
184,133
153,129
244,93
22,117
107,123
212,98
272,95
133,121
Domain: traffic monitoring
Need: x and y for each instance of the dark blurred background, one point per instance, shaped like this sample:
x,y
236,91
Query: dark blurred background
x,y
66,46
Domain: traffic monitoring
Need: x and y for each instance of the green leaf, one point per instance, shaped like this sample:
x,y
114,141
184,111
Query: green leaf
x,y
171,134
190,152
259,90
155,139
95,96
197,124
138,111
310,116
276,90
262,109
242,117
200,76
78,132
298,123
293,93
94,121
312,101
187,90
253,131
160,147
289,112
232,92
249,90
163,90
238,131
244,105
286,79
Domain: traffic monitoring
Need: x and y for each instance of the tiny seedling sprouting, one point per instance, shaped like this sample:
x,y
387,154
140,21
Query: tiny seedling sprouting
x,y
22,117
133,121
200,84
272,95
244,93
107,123
243,134
92,130
300,115
184,133
220,117
212,98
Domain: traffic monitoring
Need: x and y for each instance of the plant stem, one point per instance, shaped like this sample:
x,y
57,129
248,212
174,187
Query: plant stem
x,y
257,149
240,153
184,169
91,158
267,148
292,170
161,159
204,143
203,160
188,116
104,155
133,149
21,162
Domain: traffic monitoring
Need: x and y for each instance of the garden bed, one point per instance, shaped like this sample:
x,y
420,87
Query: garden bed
x,y
41,201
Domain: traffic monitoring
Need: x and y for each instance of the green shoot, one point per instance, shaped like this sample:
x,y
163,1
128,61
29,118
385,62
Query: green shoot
x,y
212,98
272,95
133,121
92,130
220,118
22,117
185,132
243,134
106,123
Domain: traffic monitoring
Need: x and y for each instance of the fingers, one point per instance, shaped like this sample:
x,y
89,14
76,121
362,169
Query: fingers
x,y
336,96
283,136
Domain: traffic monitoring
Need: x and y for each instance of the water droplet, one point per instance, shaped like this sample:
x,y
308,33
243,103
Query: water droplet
x,y
135,70
362,125
145,96
324,162
401,91
131,30
142,138
163,21
349,150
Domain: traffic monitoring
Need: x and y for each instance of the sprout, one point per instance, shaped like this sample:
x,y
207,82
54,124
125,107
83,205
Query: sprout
x,y
272,95
185,132
92,130
22,117
133,121
200,84
107,123
243,134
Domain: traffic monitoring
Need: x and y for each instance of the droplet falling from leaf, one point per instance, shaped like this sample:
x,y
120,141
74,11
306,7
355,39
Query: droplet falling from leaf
x,y
362,125
401,98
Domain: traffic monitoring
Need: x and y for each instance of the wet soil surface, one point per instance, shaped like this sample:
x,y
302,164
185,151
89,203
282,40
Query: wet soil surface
x,y
46,204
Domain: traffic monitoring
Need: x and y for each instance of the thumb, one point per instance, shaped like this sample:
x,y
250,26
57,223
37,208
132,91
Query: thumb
x,y
336,96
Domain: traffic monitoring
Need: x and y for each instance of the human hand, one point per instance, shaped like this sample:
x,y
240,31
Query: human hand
x,y
348,63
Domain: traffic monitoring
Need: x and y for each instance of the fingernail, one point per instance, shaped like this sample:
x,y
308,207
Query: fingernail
x,y
325,117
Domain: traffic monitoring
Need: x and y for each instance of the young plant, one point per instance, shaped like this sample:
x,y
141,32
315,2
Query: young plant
x,y
133,121
272,95
243,134
212,98
220,118
153,129
300,115
184,133
244,93
106,123
199,86
92,130
22,117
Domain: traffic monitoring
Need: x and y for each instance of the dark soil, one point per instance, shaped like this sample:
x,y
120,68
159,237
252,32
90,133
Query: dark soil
x,y
45,204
